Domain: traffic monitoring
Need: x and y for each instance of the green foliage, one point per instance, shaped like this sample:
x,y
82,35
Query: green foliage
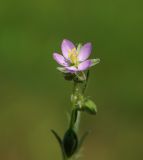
x,y
70,142
89,106
95,61
60,143
80,77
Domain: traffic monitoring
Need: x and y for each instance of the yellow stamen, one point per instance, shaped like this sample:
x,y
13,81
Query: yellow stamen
x,y
72,54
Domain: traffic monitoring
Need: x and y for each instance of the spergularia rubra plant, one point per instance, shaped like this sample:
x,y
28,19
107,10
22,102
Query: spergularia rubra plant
x,y
75,64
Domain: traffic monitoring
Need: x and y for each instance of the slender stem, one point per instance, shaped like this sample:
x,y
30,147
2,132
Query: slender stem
x,y
85,85
75,87
76,114
76,127
73,118
79,114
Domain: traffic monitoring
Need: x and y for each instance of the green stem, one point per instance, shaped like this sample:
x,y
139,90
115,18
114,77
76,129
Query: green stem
x,y
79,114
75,87
85,85
77,123
76,114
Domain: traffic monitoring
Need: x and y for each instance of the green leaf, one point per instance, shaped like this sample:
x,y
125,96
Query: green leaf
x,y
89,106
60,143
82,139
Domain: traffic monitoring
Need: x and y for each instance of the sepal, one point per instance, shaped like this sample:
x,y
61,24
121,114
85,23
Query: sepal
x,y
62,69
80,77
95,61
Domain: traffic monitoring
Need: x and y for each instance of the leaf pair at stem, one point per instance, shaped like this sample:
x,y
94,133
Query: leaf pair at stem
x,y
70,144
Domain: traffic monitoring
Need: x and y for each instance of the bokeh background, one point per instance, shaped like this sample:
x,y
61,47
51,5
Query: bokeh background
x,y
34,97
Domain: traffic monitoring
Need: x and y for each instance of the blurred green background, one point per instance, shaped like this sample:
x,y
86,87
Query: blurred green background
x,y
34,97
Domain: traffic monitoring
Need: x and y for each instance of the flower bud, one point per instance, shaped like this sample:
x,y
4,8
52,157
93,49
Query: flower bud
x,y
70,142
89,106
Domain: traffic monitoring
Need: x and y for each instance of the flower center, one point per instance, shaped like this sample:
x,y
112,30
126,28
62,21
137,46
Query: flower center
x,y
72,54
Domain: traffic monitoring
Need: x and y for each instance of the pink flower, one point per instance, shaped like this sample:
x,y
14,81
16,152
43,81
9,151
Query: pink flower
x,y
74,59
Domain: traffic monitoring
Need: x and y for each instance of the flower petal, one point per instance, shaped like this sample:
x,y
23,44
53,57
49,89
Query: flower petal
x,y
72,69
85,52
60,59
81,67
84,65
66,46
